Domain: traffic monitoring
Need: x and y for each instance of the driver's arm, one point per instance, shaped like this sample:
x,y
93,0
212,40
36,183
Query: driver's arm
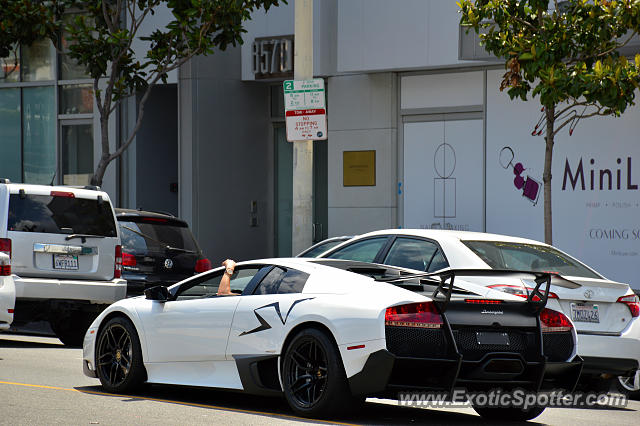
x,y
224,289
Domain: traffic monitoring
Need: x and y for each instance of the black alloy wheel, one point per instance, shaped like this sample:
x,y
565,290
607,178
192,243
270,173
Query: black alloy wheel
x,y
313,376
118,356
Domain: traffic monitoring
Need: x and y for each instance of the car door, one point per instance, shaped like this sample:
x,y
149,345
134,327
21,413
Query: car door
x,y
195,326
260,322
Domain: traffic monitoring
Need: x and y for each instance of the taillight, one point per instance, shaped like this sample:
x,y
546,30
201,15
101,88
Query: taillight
x,y
62,194
5,266
632,302
5,263
117,269
483,301
554,321
202,265
420,315
128,259
520,291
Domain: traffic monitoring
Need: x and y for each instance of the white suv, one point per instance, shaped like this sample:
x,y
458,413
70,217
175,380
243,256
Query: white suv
x,y
65,253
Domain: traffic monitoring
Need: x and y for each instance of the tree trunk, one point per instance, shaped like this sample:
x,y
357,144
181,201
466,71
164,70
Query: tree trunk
x,y
105,158
546,176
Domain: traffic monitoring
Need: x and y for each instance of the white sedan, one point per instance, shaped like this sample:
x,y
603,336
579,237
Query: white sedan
x,y
7,292
328,333
605,312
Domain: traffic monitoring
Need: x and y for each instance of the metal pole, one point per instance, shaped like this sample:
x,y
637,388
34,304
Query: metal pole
x,y
302,218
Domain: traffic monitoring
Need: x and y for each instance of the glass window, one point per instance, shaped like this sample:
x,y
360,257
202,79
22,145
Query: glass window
x,y
201,289
60,215
279,281
10,146
76,99
77,154
270,283
10,67
412,253
363,251
38,130
528,257
37,61
142,238
69,68
322,247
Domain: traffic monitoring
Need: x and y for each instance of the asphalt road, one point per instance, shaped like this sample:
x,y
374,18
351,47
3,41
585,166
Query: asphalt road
x,y
41,383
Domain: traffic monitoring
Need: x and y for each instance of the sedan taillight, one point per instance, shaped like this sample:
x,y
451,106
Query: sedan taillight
x,y
554,321
632,302
117,269
419,315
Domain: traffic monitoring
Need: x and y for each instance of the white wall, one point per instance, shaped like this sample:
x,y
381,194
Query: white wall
x,y
160,18
580,218
362,116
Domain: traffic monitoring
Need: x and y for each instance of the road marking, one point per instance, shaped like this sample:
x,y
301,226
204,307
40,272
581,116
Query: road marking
x,y
190,404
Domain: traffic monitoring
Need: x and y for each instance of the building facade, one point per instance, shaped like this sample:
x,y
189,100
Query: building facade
x,y
419,136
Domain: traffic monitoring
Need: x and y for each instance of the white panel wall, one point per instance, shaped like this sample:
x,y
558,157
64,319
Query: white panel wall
x,y
399,34
599,227
442,90
362,116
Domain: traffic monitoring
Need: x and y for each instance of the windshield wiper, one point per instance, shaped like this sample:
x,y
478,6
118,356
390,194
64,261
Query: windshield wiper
x,y
166,246
82,236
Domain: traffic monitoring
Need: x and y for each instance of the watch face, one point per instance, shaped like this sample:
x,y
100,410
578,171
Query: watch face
x,y
229,271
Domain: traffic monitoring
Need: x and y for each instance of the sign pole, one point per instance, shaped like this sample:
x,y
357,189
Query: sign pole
x,y
302,218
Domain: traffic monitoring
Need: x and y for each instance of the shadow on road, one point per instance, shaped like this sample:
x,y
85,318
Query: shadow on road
x,y
13,341
371,413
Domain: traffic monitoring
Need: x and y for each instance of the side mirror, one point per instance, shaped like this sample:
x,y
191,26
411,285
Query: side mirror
x,y
158,293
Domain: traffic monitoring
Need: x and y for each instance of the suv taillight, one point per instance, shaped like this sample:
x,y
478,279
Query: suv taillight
x,y
554,321
520,291
632,302
117,269
419,315
202,265
5,265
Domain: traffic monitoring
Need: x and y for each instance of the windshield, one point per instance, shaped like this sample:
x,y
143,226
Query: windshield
x,y
142,238
528,257
321,248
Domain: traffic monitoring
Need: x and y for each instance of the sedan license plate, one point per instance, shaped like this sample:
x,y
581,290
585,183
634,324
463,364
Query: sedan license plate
x,y
492,338
585,312
65,261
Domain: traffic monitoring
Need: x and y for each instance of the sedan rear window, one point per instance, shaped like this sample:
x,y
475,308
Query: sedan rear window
x,y
60,215
528,257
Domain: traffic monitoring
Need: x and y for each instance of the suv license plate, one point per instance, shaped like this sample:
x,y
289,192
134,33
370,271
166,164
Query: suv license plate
x,y
585,312
65,261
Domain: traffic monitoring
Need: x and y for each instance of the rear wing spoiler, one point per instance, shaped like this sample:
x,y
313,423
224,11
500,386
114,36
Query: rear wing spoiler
x,y
536,300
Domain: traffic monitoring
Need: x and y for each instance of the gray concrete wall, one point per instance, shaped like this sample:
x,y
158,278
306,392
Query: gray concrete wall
x,y
226,158
362,116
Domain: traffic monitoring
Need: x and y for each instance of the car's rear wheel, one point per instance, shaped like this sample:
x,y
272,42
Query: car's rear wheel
x,y
118,357
509,413
313,376
629,385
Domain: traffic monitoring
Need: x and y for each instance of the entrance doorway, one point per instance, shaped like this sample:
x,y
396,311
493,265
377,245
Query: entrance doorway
x,y
284,191
444,175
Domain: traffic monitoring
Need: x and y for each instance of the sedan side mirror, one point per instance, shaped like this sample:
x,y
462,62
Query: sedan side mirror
x,y
158,293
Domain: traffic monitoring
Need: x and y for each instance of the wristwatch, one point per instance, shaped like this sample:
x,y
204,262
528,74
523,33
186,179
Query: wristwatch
x,y
229,271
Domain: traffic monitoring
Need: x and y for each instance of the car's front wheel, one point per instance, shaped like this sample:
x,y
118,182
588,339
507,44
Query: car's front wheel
x,y
629,385
118,357
314,380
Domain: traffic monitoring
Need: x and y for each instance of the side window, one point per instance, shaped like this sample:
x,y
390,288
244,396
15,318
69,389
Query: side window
x,y
363,251
200,289
208,287
415,254
279,281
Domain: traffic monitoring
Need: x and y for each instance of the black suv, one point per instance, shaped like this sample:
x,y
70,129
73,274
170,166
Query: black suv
x,y
157,249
